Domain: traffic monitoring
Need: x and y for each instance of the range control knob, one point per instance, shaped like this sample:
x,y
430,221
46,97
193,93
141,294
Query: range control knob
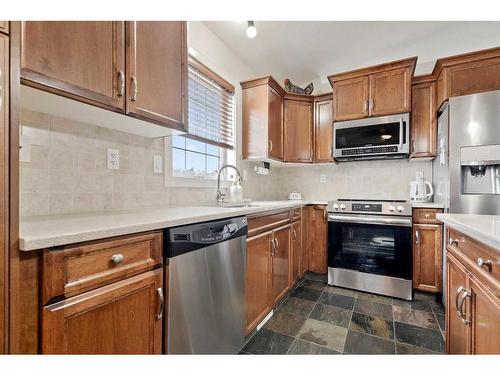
x,y
392,208
400,208
342,206
335,206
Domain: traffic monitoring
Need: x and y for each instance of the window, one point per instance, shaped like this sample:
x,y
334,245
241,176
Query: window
x,y
210,142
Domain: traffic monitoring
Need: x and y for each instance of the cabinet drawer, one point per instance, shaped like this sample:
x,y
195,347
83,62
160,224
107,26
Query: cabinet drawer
x,y
426,215
70,270
473,251
267,221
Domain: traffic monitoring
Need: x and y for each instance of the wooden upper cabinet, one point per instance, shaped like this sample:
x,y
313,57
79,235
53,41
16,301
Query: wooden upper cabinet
x,y
468,73
427,258
457,332
323,129
122,318
280,263
485,318
374,91
275,127
80,60
423,119
157,72
317,239
298,129
4,27
350,98
390,92
262,117
258,281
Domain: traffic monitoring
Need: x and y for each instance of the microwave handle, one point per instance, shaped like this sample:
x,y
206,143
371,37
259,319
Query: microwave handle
x,y
401,133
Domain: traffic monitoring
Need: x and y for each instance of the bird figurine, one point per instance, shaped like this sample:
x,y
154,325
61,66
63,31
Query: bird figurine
x,y
290,87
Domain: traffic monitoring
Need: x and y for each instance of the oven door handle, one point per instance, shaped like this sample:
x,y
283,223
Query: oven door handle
x,y
380,220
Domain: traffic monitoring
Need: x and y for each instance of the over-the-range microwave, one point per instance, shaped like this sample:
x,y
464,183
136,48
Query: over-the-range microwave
x,y
381,137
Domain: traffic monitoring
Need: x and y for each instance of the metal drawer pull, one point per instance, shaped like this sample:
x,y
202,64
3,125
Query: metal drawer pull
x,y
427,216
273,250
451,241
117,258
133,89
294,234
277,245
270,145
460,290
159,291
484,263
417,237
465,294
121,83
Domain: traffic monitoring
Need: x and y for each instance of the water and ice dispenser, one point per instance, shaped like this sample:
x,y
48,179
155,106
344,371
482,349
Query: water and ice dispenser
x,y
480,169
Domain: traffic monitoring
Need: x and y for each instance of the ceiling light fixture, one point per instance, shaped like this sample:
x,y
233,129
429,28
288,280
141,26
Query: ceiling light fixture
x,y
251,30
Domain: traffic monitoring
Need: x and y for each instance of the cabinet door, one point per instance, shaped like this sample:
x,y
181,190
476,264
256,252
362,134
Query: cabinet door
x,y
350,98
317,239
296,251
298,131
121,318
258,279
485,315
323,131
423,120
275,125
457,332
390,92
81,60
280,264
4,182
157,72
427,259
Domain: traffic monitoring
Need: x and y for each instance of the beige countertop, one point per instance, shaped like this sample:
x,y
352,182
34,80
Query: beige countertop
x,y
48,231
426,205
483,228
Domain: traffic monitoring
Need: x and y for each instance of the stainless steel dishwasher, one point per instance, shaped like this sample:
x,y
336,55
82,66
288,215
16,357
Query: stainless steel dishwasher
x,y
206,303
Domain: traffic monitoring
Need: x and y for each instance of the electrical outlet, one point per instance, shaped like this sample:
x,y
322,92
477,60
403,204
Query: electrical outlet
x,y
113,158
157,164
322,178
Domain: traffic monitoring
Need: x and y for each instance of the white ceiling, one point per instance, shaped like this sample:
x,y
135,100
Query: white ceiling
x,y
306,51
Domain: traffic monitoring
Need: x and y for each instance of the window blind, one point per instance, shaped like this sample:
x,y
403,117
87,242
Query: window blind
x,y
210,106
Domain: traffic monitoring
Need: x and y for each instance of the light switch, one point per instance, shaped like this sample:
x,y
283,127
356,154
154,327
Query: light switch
x,y
322,178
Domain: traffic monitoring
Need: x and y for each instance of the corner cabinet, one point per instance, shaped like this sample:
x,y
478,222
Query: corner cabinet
x,y
137,68
423,118
323,129
473,296
262,119
298,128
156,72
374,91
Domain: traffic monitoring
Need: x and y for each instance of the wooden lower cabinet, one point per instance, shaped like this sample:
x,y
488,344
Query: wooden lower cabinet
x,y
317,228
258,282
427,257
121,318
473,297
280,264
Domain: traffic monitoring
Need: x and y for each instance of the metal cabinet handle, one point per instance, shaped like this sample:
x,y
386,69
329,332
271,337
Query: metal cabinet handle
x,y
451,241
273,248
372,104
294,234
121,83
270,145
117,258
365,106
133,89
457,295
484,263
331,152
427,216
277,245
159,292
417,236
465,294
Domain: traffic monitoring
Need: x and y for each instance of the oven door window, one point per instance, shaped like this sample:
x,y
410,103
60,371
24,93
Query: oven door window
x,y
378,249
368,136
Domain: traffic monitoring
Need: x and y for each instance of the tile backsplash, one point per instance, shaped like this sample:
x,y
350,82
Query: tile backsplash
x,y
67,171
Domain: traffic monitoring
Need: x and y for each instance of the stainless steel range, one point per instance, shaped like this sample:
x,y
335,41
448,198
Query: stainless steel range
x,y
369,246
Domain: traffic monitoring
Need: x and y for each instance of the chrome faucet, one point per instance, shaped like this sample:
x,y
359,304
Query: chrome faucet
x,y
220,196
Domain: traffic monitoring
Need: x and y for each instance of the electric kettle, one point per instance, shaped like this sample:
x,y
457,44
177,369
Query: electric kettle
x,y
418,190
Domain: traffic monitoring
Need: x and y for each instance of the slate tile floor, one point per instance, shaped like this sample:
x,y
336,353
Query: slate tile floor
x,y
318,319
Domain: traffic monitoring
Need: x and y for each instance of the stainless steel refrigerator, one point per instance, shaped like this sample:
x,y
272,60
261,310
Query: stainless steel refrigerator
x,y
466,170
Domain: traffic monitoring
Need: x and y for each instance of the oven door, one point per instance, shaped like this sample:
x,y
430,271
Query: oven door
x,y
372,244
